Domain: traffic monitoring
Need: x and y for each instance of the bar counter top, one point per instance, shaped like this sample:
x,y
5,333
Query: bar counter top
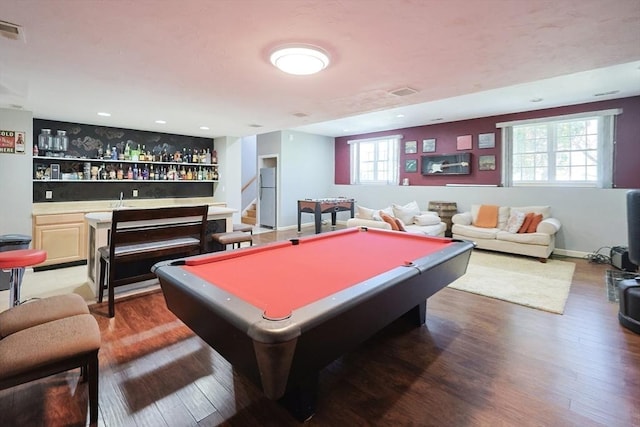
x,y
110,205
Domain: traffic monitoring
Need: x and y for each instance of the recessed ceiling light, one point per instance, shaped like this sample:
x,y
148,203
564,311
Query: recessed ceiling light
x,y
300,60
103,114
204,127
437,119
400,116
161,122
536,99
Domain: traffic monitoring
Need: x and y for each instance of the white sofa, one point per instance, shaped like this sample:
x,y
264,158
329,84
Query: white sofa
x,y
539,244
427,223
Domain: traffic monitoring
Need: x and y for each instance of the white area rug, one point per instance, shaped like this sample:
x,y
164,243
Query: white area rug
x,y
520,280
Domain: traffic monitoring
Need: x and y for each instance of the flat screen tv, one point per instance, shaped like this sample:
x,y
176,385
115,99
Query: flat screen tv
x,y
446,164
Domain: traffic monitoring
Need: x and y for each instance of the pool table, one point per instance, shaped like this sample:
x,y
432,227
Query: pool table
x,y
281,312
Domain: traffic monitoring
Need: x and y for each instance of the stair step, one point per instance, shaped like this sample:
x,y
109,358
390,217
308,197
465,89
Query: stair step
x,y
249,220
251,214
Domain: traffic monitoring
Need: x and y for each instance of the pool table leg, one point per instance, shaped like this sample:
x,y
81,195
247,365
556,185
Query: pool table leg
x,y
300,400
417,314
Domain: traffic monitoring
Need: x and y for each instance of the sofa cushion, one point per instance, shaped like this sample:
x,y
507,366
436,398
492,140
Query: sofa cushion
x,y
377,214
473,232
515,222
526,238
389,220
544,210
503,215
533,226
426,219
399,224
427,230
487,216
365,213
525,224
406,212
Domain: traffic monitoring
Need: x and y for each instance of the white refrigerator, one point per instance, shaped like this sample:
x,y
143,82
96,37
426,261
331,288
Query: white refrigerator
x,y
267,197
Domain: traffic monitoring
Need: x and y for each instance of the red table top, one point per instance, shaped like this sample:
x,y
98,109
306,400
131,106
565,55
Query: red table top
x,y
281,277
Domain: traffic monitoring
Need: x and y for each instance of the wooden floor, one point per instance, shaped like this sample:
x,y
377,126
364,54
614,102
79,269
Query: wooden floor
x,y
477,362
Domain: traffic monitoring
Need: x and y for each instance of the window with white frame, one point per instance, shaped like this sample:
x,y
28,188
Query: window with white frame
x,y
573,150
375,160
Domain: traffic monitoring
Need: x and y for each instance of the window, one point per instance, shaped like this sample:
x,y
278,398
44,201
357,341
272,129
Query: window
x,y
574,150
375,160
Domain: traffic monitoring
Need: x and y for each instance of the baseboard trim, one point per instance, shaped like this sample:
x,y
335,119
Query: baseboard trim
x,y
63,265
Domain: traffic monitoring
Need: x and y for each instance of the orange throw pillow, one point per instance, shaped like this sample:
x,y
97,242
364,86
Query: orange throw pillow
x,y
525,225
389,220
487,216
537,219
400,224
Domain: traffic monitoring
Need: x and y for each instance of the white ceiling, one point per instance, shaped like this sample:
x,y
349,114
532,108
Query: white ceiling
x,y
205,62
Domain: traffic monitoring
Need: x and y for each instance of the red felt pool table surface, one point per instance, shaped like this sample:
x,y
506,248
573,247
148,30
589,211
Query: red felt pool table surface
x,y
282,277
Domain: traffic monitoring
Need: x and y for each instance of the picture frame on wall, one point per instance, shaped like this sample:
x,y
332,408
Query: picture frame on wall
x,y
411,165
429,145
411,147
487,140
464,142
487,163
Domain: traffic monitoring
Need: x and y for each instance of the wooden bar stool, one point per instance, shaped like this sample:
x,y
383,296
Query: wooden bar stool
x,y
245,228
17,261
232,238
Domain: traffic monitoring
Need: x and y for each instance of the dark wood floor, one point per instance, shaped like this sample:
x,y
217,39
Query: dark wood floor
x,y
477,362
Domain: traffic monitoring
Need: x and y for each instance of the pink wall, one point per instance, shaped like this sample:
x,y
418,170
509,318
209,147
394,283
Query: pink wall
x,y
626,156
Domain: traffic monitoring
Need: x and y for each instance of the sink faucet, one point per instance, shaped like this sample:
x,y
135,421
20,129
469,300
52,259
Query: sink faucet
x,y
120,202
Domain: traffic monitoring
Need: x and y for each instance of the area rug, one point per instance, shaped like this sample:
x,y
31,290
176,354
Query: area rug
x,y
612,277
520,280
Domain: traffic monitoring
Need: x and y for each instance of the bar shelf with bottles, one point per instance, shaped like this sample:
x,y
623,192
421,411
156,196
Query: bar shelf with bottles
x,y
132,165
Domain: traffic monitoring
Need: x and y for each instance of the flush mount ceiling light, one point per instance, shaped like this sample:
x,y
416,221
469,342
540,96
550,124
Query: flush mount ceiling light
x,y
300,60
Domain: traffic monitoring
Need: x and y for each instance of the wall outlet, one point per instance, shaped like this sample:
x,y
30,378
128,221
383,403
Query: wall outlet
x,y
135,193
48,195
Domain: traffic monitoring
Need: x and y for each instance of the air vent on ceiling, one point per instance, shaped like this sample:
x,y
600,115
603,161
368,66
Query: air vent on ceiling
x,y
11,31
254,125
403,91
300,114
611,92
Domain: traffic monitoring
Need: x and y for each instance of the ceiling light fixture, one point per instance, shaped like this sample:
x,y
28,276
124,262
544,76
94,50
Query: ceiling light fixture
x,y
103,114
161,122
536,99
300,60
204,127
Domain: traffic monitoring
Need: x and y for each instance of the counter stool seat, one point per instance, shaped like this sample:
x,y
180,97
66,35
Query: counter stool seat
x,y
17,261
232,238
245,228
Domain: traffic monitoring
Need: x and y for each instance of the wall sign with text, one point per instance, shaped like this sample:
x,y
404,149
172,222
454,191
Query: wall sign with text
x,y
12,142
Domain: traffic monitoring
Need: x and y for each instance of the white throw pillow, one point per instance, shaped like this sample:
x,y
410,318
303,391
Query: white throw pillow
x,y
426,219
407,212
515,222
365,213
388,210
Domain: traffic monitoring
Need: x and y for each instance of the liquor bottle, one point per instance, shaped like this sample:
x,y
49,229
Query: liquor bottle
x,y
135,171
145,172
152,174
127,151
214,157
130,173
35,150
107,153
114,153
120,173
157,173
